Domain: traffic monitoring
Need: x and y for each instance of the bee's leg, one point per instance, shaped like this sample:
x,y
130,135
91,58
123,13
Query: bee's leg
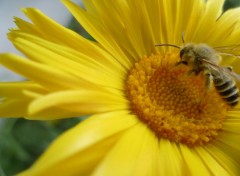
x,y
229,68
178,63
197,68
181,62
194,71
190,72
208,79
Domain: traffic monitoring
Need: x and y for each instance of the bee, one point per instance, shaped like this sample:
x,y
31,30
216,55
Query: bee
x,y
202,58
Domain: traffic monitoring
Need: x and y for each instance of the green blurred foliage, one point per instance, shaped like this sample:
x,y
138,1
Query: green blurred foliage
x,y
22,141
74,25
231,4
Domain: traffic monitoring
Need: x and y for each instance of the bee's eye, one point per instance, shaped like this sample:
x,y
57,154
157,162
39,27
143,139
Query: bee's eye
x,y
181,53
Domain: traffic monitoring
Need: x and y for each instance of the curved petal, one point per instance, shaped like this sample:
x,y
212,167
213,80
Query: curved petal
x,y
119,25
68,60
134,154
206,26
42,74
84,145
15,89
13,101
96,30
63,36
17,96
226,30
19,106
26,27
81,101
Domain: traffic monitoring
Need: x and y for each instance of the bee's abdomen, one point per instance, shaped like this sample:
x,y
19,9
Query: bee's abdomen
x,y
228,91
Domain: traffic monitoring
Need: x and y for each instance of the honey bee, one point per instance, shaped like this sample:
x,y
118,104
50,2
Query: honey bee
x,y
206,59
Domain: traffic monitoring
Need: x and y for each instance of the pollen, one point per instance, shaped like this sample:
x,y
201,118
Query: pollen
x,y
175,105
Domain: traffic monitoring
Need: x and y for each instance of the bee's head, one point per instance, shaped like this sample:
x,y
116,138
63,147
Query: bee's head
x,y
187,54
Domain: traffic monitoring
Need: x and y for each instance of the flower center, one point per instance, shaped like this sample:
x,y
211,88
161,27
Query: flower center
x,y
174,104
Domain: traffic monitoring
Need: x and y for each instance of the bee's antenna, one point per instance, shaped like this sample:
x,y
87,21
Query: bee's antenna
x,y
183,37
168,45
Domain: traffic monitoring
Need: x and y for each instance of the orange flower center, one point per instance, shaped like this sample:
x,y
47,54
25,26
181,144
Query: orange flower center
x,y
172,103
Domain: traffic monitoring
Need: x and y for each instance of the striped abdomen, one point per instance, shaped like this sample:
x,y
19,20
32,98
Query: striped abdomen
x,y
228,90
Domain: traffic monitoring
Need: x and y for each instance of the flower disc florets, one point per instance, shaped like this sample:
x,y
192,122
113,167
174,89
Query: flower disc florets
x,y
172,103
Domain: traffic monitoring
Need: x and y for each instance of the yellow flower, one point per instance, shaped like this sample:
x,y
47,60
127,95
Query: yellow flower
x,y
148,116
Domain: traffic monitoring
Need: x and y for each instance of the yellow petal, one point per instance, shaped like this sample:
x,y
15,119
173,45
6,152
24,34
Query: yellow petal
x,y
225,31
13,101
214,166
16,95
84,145
52,113
134,154
21,109
13,108
193,12
54,31
229,143
170,159
47,76
96,30
81,101
119,25
15,89
206,24
26,27
194,164
64,36
68,60
232,123
226,161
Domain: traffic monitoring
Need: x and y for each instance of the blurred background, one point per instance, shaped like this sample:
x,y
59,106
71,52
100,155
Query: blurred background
x,y
19,148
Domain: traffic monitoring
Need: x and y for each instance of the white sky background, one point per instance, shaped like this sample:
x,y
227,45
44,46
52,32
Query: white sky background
x,y
10,8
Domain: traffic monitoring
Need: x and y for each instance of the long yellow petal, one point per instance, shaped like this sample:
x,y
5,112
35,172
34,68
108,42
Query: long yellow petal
x,y
194,164
80,145
231,166
225,29
213,165
13,108
133,154
68,60
26,27
96,30
15,89
47,76
119,25
81,101
211,13
168,165
229,143
64,36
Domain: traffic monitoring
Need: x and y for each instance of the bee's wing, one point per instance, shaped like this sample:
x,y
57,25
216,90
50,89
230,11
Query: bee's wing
x,y
229,47
222,70
235,75
232,51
